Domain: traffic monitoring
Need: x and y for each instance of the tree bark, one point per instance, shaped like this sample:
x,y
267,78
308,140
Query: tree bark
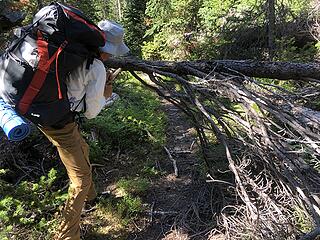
x,y
250,68
119,9
271,18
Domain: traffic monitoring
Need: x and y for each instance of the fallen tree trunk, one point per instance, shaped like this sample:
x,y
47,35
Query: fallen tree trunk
x,y
250,68
271,140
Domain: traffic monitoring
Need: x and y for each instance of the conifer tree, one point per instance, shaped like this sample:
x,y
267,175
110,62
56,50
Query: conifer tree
x,y
133,19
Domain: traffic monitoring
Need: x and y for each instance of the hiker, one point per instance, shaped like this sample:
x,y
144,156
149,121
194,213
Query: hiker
x,y
88,89
54,68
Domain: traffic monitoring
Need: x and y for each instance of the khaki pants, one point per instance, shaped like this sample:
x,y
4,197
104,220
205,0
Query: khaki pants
x,y
74,153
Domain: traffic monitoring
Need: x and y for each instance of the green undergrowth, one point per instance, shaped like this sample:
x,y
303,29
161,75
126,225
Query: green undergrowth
x,y
116,214
127,137
134,128
29,208
134,120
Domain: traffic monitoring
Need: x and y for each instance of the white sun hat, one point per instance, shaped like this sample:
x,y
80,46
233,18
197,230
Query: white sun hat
x,y
114,38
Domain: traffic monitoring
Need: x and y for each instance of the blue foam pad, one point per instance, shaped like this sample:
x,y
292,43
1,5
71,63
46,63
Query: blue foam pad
x,y
14,126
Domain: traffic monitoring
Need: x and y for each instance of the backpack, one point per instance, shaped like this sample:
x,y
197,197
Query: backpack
x,y
34,67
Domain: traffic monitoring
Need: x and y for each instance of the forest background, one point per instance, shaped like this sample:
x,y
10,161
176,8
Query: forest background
x,y
33,186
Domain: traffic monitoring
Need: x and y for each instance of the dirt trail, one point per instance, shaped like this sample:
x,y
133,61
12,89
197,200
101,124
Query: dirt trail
x,y
176,202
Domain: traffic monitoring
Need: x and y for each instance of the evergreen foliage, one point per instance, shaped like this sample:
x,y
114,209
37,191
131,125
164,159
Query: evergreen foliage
x,y
133,19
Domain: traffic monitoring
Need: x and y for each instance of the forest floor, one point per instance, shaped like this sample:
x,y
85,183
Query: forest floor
x,y
148,199
174,197
176,202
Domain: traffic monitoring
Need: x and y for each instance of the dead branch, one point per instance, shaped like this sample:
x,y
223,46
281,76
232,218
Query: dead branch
x,y
262,69
271,140
174,162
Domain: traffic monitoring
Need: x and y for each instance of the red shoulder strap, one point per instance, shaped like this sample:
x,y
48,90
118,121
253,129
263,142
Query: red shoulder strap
x,y
40,74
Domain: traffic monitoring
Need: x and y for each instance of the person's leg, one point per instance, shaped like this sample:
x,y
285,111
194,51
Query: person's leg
x,y
92,194
74,153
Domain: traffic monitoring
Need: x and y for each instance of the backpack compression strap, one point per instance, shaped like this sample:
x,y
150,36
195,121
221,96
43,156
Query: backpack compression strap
x,y
41,73
92,26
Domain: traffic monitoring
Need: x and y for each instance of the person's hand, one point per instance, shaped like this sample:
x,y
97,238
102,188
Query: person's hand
x,y
111,75
109,79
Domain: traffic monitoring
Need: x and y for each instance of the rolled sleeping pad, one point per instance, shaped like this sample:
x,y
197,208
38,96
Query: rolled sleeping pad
x,y
12,124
